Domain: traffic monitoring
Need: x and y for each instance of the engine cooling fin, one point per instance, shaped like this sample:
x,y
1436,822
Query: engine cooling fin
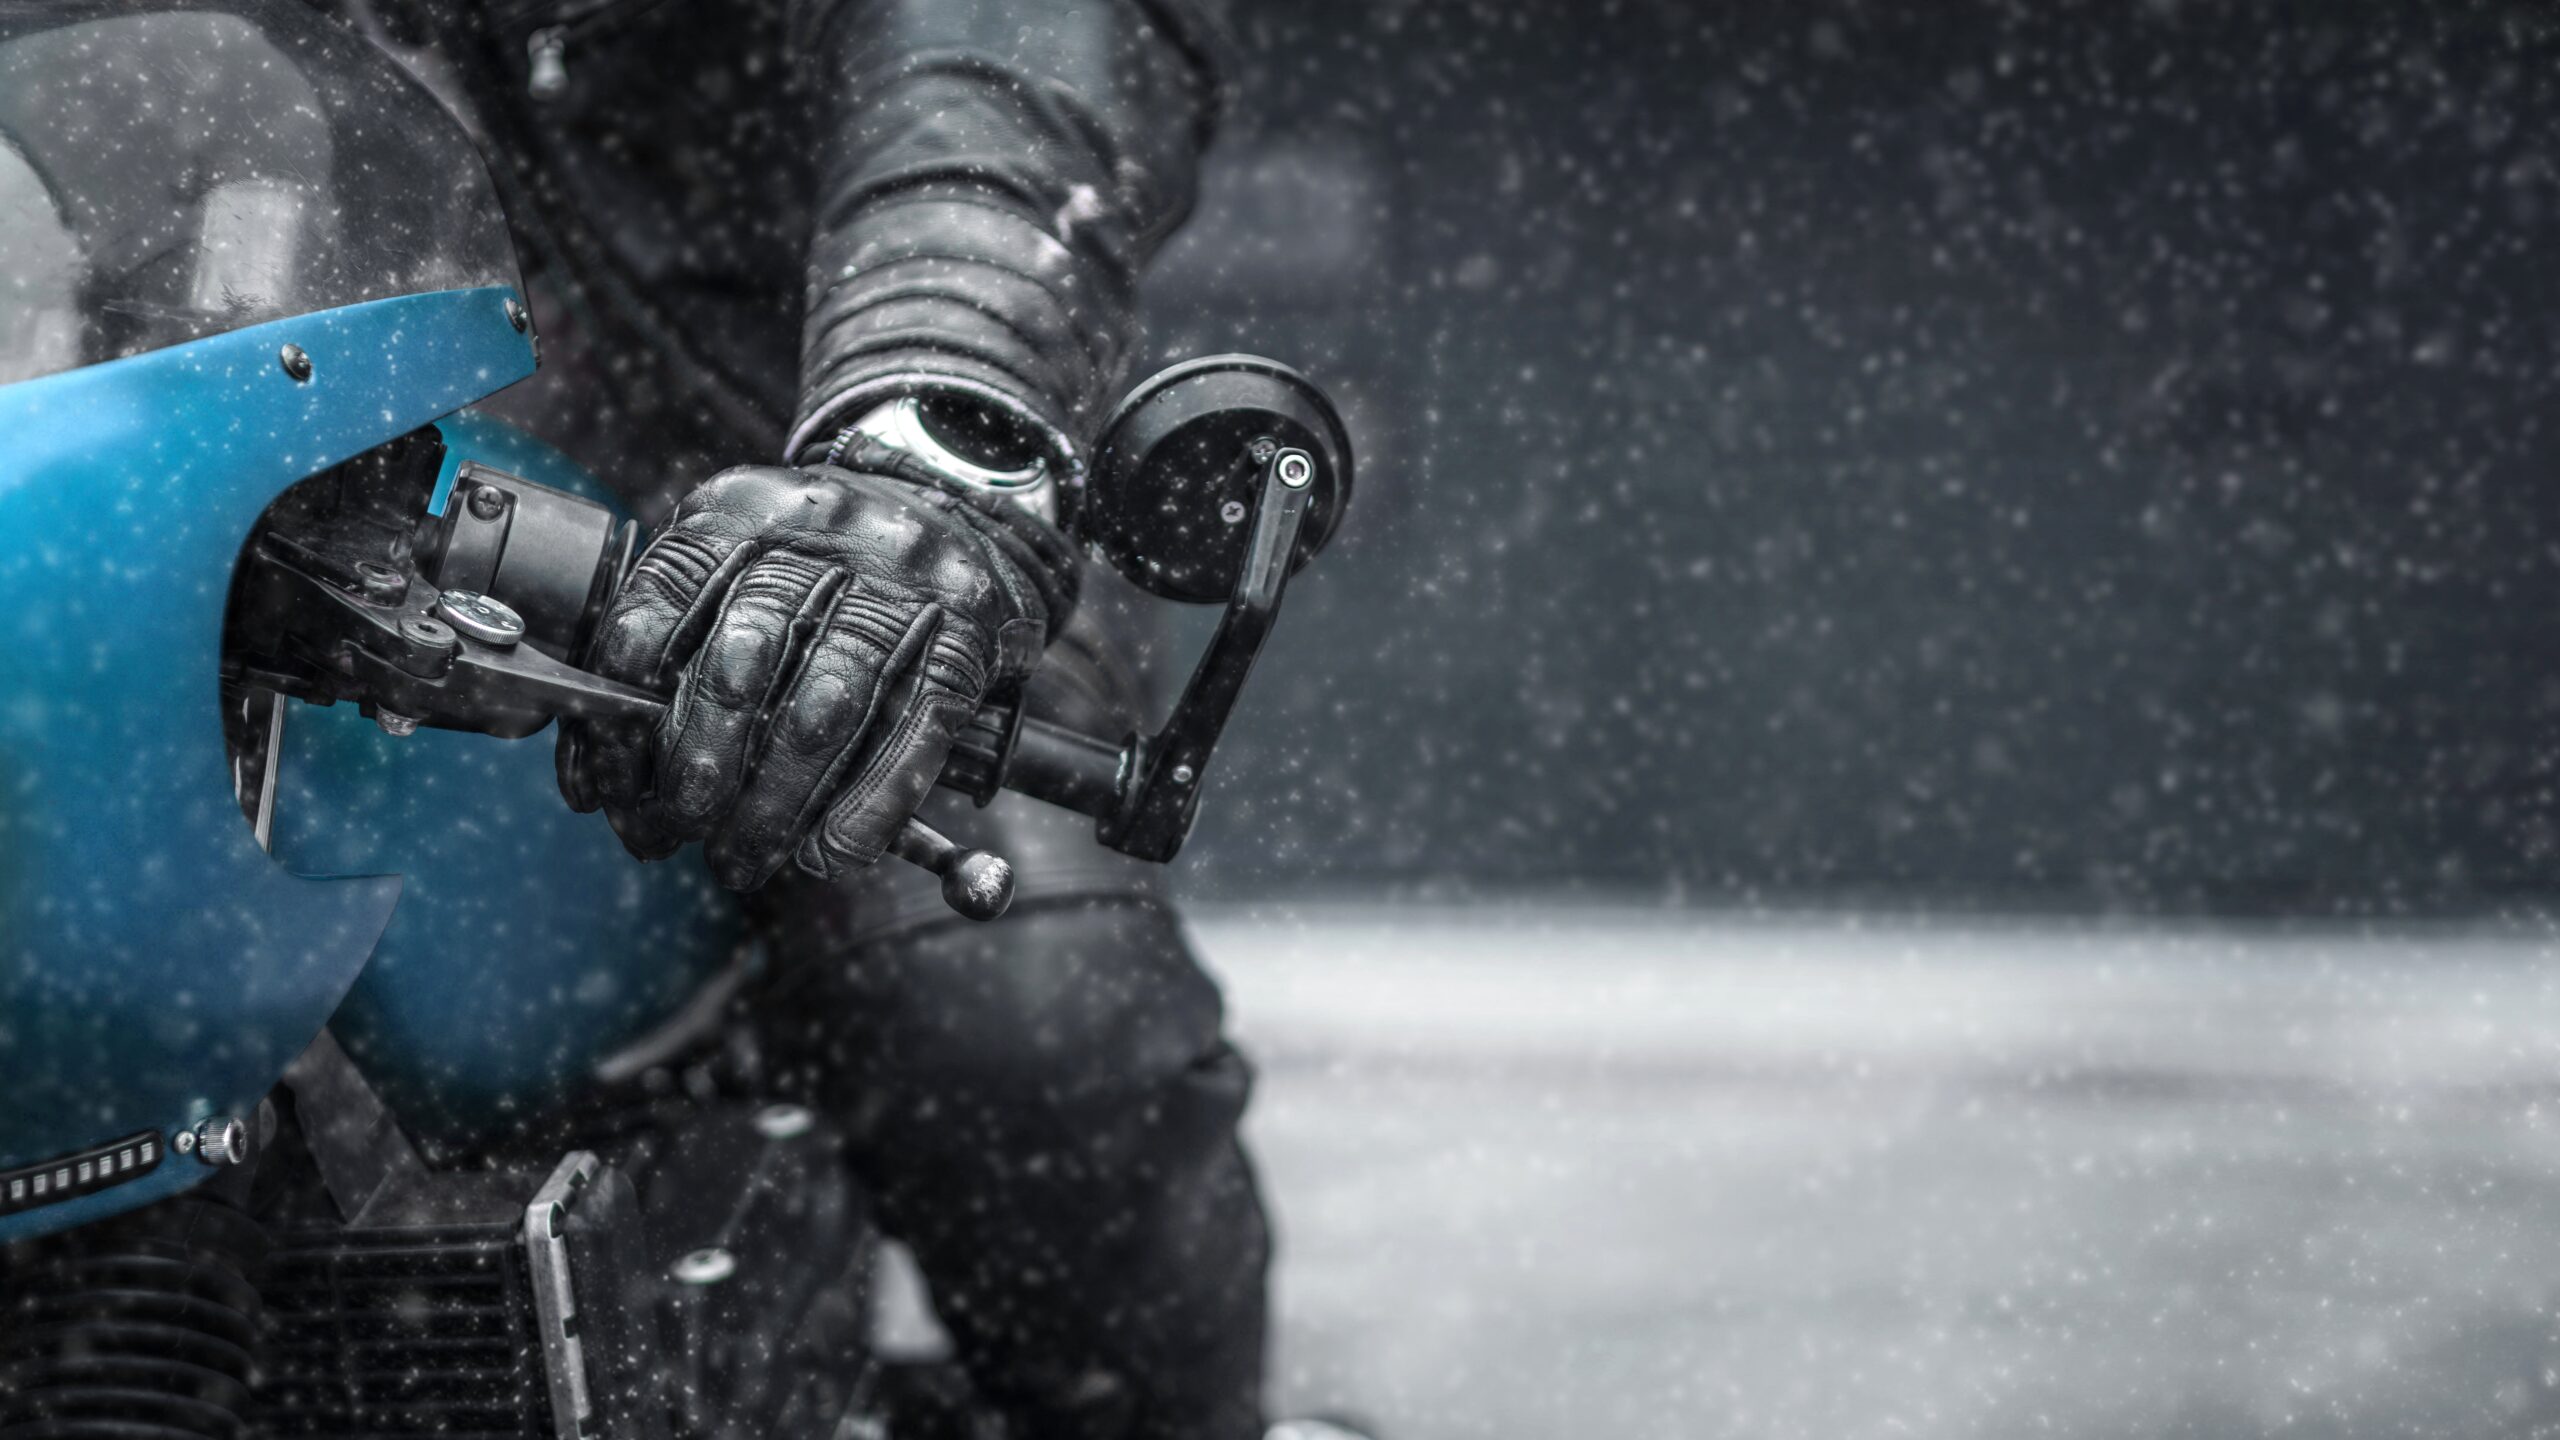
x,y
144,1328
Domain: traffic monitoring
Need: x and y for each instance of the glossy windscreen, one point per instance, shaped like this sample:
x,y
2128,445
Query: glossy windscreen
x,y
171,171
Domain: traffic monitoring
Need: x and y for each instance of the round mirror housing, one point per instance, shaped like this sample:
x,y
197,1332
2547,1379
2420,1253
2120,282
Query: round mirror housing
x,y
1180,470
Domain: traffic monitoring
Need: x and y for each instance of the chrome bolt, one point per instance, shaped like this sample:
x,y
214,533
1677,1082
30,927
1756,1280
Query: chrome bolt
x,y
220,1140
484,618
707,1266
1296,469
517,314
1184,774
547,59
784,1122
395,725
296,362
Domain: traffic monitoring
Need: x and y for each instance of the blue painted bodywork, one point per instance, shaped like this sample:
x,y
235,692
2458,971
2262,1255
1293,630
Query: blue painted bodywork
x,y
156,967
527,944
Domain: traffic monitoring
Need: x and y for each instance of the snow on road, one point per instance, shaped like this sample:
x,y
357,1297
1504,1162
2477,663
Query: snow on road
x,y
1580,1172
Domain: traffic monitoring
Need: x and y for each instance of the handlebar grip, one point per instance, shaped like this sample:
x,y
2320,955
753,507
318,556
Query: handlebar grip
x,y
1064,767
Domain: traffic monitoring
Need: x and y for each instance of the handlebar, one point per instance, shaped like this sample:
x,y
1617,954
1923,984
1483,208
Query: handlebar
x,y
1144,791
1241,436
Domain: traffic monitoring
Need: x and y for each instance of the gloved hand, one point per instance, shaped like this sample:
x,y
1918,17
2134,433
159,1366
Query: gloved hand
x,y
826,633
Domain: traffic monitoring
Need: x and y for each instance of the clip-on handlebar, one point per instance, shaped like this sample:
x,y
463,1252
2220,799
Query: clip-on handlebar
x,y
1215,480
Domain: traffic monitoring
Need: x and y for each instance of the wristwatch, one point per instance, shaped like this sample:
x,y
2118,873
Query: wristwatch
x,y
957,447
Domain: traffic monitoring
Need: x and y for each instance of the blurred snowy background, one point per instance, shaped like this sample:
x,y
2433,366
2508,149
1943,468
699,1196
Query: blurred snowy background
x,y
1913,803
2042,453
1605,1172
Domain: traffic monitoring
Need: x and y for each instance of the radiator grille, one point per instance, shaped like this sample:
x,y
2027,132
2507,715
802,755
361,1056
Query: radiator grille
x,y
396,1333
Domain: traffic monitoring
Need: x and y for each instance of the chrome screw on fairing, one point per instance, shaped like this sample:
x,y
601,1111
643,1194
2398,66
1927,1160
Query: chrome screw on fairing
x,y
395,725
296,362
517,315
220,1140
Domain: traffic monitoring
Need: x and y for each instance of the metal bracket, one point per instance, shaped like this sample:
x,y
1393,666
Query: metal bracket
x,y
555,1305
1160,793
354,1141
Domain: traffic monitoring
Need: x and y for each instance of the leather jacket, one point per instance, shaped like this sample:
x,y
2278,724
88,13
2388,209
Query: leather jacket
x,y
743,220
748,221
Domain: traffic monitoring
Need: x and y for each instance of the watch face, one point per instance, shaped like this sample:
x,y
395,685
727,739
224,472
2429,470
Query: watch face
x,y
1008,453
962,440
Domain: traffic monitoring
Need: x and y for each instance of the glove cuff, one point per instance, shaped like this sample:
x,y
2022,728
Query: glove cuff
x,y
965,288
1036,548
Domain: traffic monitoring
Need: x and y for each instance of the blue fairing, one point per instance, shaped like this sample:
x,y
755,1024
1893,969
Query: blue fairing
x,y
155,966
527,944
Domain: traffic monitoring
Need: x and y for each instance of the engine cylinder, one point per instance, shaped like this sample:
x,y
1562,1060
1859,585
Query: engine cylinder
x,y
140,1328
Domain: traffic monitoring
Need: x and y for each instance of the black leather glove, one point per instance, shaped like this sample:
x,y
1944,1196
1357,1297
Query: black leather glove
x,y
826,633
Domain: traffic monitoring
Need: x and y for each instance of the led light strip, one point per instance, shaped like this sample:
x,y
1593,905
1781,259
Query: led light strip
x,y
85,1173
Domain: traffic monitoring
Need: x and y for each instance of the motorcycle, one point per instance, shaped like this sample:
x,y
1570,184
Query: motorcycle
x,y
350,1084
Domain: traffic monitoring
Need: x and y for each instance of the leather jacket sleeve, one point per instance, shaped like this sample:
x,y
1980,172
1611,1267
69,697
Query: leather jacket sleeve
x,y
992,179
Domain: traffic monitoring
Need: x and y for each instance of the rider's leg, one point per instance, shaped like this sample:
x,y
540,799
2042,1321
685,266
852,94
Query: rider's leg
x,y
1046,1111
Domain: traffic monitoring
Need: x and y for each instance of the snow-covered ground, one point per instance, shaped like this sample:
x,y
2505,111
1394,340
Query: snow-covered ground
x,y
1596,1173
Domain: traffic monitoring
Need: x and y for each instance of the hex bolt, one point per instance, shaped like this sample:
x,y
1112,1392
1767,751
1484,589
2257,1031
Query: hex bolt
x,y
219,1140
381,584
425,630
296,362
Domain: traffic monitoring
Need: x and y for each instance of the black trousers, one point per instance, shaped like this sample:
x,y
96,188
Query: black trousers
x,y
1044,1108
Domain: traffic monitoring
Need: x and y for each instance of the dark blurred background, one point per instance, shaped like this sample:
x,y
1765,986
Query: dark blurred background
x,y
2038,454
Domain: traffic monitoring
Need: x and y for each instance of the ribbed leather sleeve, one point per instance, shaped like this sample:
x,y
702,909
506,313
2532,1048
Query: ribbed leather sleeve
x,y
993,178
